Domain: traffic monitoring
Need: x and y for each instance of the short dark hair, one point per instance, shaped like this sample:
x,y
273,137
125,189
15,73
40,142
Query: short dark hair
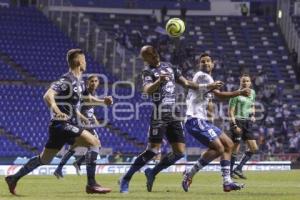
x,y
71,55
204,55
92,76
245,75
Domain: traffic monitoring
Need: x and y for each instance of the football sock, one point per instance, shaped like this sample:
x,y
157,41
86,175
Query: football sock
x,y
91,157
247,156
65,159
33,163
225,169
197,166
232,161
139,162
167,161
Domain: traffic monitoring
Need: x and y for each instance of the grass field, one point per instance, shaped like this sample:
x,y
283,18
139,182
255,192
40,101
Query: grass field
x,y
206,185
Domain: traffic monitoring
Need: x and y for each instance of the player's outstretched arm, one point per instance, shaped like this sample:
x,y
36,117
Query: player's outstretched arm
x,y
195,86
228,95
95,100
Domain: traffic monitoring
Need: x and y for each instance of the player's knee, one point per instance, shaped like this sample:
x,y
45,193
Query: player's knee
x,y
95,149
220,150
95,143
254,150
229,144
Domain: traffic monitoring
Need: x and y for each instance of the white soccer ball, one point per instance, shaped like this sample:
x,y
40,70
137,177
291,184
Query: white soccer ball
x,y
175,27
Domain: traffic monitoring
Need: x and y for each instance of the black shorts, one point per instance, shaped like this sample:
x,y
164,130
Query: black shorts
x,y
247,131
61,133
172,130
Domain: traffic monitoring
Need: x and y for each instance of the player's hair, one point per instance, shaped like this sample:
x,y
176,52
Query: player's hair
x,y
92,76
245,75
204,55
72,55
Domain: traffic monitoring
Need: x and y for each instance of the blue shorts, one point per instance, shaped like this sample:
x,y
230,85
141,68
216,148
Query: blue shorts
x,y
203,131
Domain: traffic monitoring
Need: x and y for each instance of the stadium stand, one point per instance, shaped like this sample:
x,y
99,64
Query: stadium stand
x,y
253,42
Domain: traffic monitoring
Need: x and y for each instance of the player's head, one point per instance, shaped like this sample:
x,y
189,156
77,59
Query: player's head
x,y
206,63
75,59
150,55
92,82
245,81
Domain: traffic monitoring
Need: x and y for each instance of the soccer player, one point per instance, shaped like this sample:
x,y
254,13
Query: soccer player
x,y
199,125
63,97
88,118
159,81
242,116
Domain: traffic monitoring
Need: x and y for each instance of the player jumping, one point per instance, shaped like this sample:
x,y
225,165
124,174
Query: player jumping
x,y
199,125
159,81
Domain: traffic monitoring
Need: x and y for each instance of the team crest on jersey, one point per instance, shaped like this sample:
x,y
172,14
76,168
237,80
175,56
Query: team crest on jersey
x,y
170,70
148,78
169,87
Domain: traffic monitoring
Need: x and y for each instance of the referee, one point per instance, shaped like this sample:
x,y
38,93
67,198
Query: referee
x,y
242,117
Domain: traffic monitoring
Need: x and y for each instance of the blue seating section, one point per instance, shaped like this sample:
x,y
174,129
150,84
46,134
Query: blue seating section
x,y
10,149
7,73
253,42
37,44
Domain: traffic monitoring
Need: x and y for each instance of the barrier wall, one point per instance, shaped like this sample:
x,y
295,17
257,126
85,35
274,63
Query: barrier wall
x,y
122,168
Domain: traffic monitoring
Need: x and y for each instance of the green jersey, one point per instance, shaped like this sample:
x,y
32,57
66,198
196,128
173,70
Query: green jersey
x,y
243,105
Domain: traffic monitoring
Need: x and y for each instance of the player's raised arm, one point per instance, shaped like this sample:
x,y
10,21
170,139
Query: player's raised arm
x,y
150,86
49,98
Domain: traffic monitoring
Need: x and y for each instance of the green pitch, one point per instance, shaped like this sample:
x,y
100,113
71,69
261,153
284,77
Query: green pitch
x,y
206,186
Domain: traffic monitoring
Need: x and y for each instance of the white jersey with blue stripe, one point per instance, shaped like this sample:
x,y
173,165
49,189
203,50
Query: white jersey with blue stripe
x,y
197,101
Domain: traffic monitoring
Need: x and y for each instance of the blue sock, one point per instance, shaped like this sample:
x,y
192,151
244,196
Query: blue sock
x,y
225,168
91,157
167,161
32,164
65,159
139,162
247,156
197,166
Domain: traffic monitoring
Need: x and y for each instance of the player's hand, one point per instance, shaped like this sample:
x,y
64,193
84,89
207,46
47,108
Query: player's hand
x,y
61,116
108,100
253,119
163,77
215,85
238,130
85,121
245,92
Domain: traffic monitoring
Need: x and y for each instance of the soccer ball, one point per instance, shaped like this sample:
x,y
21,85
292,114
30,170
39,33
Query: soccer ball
x,y
175,27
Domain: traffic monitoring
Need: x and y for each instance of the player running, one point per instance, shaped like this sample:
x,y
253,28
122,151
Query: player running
x,y
159,81
198,124
88,119
63,97
242,116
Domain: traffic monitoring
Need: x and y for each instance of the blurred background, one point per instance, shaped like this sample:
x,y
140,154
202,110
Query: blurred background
x,y
259,37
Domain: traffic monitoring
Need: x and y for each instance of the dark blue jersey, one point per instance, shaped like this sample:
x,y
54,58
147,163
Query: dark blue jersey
x,y
88,110
165,97
69,90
